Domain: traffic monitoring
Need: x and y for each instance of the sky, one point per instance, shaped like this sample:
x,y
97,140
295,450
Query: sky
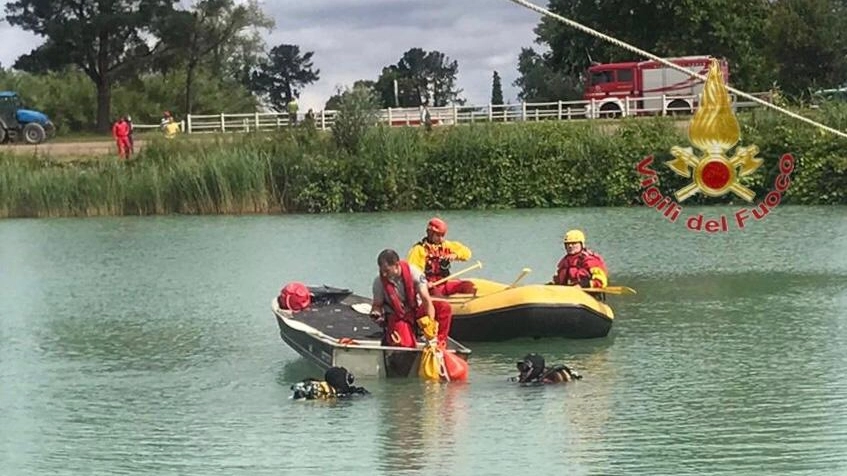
x,y
355,39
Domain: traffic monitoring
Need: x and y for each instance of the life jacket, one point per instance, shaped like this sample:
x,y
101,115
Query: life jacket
x,y
295,296
434,268
576,269
405,311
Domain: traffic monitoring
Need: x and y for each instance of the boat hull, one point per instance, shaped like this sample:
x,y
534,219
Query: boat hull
x,y
501,313
330,333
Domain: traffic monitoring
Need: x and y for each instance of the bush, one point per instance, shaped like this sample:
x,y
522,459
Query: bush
x,y
358,111
492,165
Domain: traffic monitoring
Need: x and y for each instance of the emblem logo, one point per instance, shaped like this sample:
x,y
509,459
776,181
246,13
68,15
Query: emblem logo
x,y
714,131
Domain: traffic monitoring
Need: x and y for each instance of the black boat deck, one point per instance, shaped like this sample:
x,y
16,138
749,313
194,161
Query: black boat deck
x,y
332,313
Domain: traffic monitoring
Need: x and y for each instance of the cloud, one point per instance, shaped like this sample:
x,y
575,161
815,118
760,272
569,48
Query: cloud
x,y
355,39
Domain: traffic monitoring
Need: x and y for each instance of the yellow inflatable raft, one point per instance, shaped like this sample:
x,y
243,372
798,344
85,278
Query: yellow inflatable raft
x,y
499,312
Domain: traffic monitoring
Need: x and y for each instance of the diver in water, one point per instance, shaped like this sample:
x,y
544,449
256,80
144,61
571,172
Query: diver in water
x,y
534,371
337,383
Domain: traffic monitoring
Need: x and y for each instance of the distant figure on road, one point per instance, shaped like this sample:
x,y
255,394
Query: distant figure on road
x,y
121,132
293,107
171,127
309,119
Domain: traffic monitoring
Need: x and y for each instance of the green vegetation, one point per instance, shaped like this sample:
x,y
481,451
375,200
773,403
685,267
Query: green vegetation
x,y
547,164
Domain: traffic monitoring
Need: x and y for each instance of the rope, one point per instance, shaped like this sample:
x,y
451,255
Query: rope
x,y
667,63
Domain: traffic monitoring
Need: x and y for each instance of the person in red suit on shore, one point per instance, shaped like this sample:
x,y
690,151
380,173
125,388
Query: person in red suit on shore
x,y
121,131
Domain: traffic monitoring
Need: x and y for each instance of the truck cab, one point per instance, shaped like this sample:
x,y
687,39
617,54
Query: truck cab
x,y
646,87
16,122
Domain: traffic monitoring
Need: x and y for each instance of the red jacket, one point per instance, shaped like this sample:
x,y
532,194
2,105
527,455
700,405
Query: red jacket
x,y
120,129
586,269
403,310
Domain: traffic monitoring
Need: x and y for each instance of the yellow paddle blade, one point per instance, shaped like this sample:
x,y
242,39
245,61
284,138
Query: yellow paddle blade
x,y
617,290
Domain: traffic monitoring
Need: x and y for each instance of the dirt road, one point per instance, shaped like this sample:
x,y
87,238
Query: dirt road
x,y
66,149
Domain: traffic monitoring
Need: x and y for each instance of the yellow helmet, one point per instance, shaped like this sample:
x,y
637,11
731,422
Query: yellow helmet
x,y
574,236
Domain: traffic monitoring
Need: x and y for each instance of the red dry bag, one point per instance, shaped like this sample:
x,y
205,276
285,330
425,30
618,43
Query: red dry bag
x,y
295,297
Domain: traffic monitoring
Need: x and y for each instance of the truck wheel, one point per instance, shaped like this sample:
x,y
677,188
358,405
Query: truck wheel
x,y
678,107
2,134
34,133
610,110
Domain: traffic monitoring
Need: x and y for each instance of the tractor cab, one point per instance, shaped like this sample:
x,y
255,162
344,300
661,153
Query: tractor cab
x,y
16,122
9,105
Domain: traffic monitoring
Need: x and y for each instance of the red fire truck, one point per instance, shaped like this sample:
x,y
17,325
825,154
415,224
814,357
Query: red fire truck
x,y
652,87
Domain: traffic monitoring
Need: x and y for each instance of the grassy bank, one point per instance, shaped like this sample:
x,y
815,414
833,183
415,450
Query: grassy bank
x,y
552,164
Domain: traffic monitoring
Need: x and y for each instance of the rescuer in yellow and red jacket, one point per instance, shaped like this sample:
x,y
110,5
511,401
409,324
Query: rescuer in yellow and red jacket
x,y
433,255
580,266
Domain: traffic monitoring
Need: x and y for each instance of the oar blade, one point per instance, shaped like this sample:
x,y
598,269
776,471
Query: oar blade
x,y
616,290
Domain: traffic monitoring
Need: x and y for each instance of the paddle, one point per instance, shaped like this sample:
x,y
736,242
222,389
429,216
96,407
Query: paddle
x,y
457,273
523,274
465,298
618,290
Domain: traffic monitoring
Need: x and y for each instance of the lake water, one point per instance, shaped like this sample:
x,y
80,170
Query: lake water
x,y
147,346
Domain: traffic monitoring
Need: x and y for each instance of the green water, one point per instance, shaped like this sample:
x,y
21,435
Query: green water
x,y
147,346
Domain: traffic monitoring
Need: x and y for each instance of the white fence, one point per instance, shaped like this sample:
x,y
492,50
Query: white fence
x,y
451,115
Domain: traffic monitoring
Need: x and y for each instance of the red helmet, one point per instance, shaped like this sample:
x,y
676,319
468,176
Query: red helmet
x,y
437,225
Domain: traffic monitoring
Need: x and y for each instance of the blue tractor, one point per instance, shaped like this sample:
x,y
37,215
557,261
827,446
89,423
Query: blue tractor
x,y
17,123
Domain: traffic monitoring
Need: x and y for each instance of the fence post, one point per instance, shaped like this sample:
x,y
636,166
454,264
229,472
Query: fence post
x,y
188,122
223,123
560,109
390,120
256,119
626,106
455,114
490,112
664,105
594,114
323,120
523,110
278,124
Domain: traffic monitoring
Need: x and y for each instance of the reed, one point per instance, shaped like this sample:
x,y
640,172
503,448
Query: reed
x,y
487,165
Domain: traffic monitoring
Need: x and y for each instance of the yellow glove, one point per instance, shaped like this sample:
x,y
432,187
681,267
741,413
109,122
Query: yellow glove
x,y
428,326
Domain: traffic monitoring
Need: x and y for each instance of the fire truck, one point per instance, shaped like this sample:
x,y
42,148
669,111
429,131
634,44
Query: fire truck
x,y
646,87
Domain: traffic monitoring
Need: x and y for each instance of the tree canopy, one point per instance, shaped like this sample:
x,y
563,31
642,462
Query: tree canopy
x,y
422,77
496,89
798,43
106,40
283,74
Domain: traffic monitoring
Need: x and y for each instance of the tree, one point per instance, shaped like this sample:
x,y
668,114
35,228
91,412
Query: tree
x,y
203,30
664,27
107,40
283,74
539,82
334,102
358,111
806,39
496,89
421,78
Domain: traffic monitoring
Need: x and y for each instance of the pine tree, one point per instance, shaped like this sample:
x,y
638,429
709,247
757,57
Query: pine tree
x,y
496,90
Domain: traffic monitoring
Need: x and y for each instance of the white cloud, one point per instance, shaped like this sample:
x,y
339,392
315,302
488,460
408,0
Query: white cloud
x,y
355,39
